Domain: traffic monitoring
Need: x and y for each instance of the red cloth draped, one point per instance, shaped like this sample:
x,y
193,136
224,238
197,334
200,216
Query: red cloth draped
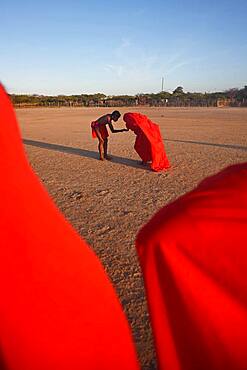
x,y
103,131
149,144
58,309
194,259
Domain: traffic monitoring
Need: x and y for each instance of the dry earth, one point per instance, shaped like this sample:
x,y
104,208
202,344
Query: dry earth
x,y
108,202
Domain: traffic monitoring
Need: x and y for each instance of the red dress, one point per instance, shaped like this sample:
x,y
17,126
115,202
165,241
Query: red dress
x,y
148,144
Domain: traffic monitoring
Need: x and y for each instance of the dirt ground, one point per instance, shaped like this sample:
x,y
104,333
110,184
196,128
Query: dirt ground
x,y
108,202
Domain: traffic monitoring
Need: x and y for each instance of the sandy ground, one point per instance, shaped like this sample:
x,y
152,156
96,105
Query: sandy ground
x,y
108,202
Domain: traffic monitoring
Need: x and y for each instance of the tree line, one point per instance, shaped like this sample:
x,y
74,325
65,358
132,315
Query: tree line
x,y
178,98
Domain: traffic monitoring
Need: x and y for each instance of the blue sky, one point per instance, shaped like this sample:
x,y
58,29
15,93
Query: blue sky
x,y
122,47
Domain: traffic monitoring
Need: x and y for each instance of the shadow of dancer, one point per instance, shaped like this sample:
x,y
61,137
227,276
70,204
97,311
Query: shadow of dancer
x,y
229,146
84,153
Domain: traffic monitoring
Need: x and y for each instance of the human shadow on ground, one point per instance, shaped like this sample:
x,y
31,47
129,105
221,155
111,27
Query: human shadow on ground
x,y
83,153
230,146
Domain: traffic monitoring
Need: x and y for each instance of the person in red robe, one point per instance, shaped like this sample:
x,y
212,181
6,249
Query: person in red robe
x,y
148,144
58,309
193,255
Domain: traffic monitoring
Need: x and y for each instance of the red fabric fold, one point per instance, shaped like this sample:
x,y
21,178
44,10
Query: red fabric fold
x,y
58,309
148,144
194,260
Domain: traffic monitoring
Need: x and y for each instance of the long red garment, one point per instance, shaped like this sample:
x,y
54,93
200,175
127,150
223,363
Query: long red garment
x,y
58,309
148,144
193,255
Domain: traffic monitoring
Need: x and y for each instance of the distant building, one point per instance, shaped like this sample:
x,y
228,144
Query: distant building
x,y
223,102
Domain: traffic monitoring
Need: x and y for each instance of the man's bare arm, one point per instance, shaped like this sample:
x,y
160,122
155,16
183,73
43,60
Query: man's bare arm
x,y
113,130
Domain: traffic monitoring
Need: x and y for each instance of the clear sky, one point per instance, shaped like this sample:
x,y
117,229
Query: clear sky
x,y
122,47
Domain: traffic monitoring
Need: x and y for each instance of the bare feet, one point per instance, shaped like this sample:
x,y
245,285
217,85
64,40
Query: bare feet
x,y
108,158
101,158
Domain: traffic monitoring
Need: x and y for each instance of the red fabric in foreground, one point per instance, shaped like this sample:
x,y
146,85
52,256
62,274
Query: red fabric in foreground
x,y
194,259
149,144
58,309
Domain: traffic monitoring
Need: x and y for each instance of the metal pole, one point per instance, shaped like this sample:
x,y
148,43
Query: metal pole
x,y
162,84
